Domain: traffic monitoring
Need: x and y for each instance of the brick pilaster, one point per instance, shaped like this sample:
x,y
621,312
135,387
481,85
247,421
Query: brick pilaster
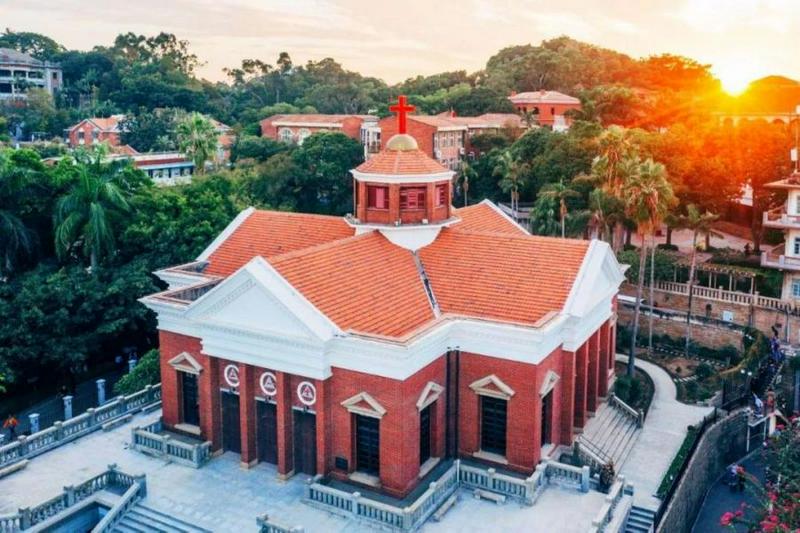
x,y
285,426
210,413
568,396
247,414
594,372
323,425
604,350
581,386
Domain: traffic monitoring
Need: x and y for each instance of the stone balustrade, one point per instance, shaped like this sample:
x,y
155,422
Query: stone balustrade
x,y
636,415
267,525
29,517
458,475
62,432
151,440
607,513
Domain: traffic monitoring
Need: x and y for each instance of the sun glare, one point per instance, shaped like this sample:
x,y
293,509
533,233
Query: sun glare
x,y
734,79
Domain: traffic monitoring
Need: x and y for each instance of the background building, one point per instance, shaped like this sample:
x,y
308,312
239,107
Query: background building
x,y
95,130
20,71
295,128
546,108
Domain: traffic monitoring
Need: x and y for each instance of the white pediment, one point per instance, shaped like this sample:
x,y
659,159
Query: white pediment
x,y
258,300
550,380
599,277
492,386
184,362
430,394
364,404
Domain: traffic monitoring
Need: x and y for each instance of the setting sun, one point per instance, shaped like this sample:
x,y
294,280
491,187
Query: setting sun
x,y
734,78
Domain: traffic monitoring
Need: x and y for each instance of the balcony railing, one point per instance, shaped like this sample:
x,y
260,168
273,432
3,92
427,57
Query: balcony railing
x,y
775,260
778,218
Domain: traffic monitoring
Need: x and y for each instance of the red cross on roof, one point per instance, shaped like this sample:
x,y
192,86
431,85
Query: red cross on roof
x,y
402,108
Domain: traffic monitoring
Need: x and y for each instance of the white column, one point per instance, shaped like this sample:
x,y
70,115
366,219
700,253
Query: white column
x,y
101,391
67,407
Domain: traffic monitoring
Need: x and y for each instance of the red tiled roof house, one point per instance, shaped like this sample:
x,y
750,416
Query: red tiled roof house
x,y
371,348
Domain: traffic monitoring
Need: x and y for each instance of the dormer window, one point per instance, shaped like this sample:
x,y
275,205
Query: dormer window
x,y
377,197
412,198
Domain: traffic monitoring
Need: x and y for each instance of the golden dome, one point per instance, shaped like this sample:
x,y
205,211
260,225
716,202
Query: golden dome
x,y
402,142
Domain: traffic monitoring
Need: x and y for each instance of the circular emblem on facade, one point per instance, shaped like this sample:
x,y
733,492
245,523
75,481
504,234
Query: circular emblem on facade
x,y
268,383
307,393
231,374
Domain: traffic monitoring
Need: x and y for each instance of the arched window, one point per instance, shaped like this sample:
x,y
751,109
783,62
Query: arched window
x,y
302,135
285,135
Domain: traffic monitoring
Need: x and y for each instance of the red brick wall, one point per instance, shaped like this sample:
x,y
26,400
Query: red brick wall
x,y
399,427
172,344
523,437
548,111
350,126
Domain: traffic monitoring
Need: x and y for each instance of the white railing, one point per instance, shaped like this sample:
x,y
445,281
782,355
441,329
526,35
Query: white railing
x,y
129,499
458,475
150,440
28,517
627,410
606,513
723,295
62,432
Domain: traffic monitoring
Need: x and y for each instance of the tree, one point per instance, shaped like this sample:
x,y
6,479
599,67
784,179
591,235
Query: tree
x,y
15,238
463,177
255,148
700,224
197,139
84,216
560,193
647,196
510,170
39,46
146,372
544,217
150,131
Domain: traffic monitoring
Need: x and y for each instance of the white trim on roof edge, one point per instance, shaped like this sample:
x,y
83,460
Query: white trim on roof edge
x,y
504,215
222,237
402,178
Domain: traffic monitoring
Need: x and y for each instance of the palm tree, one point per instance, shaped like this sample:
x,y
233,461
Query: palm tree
x,y
559,191
83,214
701,225
465,174
648,195
197,139
606,211
510,171
15,238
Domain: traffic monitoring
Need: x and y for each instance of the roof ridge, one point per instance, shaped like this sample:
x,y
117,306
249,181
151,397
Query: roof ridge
x,y
318,247
296,214
521,236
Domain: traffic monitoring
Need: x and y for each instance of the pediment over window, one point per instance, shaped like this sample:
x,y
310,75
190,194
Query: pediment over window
x,y
364,404
492,386
430,394
550,381
184,362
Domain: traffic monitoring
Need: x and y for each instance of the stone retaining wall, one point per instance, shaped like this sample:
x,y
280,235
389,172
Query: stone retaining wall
x,y
708,335
721,444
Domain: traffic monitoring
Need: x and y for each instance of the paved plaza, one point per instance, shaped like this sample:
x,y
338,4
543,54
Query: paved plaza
x,y
662,435
223,497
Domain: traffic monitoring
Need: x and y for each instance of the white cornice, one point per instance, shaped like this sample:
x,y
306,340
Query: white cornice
x,y
402,178
289,124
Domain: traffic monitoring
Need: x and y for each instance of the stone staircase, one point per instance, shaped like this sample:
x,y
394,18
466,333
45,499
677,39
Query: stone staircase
x,y
611,433
143,519
640,520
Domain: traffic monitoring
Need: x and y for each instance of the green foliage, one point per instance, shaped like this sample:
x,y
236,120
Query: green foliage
x,y
628,389
197,139
250,147
677,462
38,45
703,371
664,265
146,372
150,131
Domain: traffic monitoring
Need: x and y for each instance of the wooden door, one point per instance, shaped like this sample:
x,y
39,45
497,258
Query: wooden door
x,y
267,432
231,425
305,442
191,406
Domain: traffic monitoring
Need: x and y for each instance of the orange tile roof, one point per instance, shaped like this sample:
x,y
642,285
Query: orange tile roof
x,y
543,97
438,121
364,284
484,217
499,276
315,118
401,162
271,233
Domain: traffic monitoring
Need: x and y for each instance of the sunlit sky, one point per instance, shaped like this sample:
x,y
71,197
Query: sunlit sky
x,y
742,39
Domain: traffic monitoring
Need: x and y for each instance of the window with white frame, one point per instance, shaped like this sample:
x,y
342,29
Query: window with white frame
x,y
796,246
796,288
285,135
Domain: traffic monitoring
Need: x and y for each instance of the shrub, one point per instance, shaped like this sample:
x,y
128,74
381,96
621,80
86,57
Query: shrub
x,y
704,371
628,389
146,372
665,246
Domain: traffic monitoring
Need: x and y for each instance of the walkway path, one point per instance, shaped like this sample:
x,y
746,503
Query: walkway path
x,y
720,499
662,435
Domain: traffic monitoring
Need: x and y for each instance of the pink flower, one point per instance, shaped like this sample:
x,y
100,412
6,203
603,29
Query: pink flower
x,y
726,519
739,513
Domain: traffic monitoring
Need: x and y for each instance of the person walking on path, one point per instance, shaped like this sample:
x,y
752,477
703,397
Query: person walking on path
x,y
740,478
11,424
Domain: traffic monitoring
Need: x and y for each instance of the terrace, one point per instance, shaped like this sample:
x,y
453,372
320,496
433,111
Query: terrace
x,y
222,496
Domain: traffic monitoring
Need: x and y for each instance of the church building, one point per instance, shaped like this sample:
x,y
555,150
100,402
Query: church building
x,y
370,348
